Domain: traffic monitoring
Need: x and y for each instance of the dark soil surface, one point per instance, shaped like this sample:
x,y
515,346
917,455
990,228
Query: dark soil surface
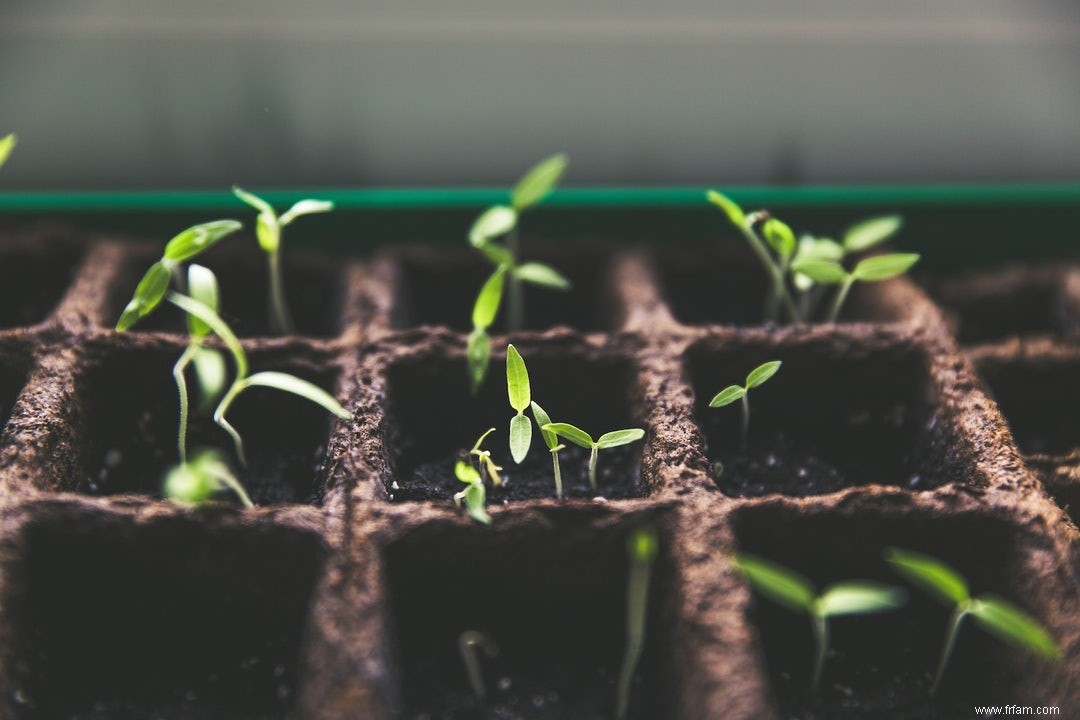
x,y
33,279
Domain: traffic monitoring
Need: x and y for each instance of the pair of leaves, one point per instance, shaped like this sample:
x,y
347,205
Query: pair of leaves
x,y
268,225
7,144
520,395
474,496
483,457
758,376
581,438
529,191
872,269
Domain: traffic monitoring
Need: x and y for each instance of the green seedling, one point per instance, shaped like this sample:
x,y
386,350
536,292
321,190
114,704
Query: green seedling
x,y
796,593
268,227
470,644
552,442
583,439
494,223
641,549
997,616
758,376
7,144
484,461
197,480
872,269
517,389
474,496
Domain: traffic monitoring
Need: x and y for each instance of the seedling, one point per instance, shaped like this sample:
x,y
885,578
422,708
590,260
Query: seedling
x,y
474,495
997,616
470,644
872,269
195,481
552,442
517,389
758,376
790,589
268,227
485,309
7,144
641,548
604,442
484,461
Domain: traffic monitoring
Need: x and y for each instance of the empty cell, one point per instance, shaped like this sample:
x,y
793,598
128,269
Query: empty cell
x,y
113,618
553,600
130,415
840,412
433,420
882,665
33,279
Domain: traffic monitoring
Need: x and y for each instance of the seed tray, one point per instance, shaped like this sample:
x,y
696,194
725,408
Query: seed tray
x,y
342,595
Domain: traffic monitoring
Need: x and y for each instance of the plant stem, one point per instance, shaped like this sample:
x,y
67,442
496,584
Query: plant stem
x,y
515,310
821,638
779,289
468,642
558,474
280,319
637,601
219,418
181,386
592,467
841,295
234,485
958,616
745,420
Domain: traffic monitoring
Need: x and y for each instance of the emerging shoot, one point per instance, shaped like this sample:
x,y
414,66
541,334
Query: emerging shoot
x,y
517,389
474,496
470,644
268,227
7,144
583,439
552,442
796,593
872,269
195,481
641,548
997,616
758,376
478,351
484,461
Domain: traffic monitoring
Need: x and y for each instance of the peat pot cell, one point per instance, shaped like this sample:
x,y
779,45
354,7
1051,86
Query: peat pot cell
x,y
13,372
1038,396
882,666
314,293
552,598
716,284
439,287
130,416
33,279
168,620
834,416
433,420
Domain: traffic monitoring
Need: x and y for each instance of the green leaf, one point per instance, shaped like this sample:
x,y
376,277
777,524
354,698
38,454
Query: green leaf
x,y
727,396
812,248
297,386
210,373
731,209
1013,625
542,419
148,295
571,433
642,545
883,267
198,238
776,582
859,597
7,144
268,232
305,207
494,222
219,326
254,201
538,181
619,437
189,484
466,473
478,354
821,271
520,437
489,299
761,374
871,232
779,236
930,574
475,497
497,254
517,380
540,274
202,286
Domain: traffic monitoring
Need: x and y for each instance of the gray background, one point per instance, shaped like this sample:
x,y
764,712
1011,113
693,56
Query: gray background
x,y
111,94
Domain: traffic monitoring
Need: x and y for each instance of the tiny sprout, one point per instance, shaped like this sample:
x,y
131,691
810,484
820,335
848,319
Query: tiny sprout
x,y
195,481
995,615
7,144
757,376
872,269
483,458
641,549
552,442
268,228
583,439
468,642
517,388
793,591
474,495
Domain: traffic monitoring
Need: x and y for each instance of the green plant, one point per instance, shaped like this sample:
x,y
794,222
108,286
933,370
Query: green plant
x,y
553,444
193,482
996,615
757,376
478,349
7,144
872,269
796,593
641,549
268,227
484,461
469,642
517,389
583,439
474,496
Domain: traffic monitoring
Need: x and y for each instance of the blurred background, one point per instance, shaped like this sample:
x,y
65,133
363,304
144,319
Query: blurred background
x,y
146,94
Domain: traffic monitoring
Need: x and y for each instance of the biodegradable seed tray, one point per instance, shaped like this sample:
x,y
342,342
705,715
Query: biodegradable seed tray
x,y
343,594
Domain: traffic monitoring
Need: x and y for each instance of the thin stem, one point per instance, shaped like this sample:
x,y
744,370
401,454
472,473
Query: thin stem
x,y
958,616
840,297
821,638
637,600
558,473
468,642
592,467
772,302
233,484
280,319
745,420
779,289
515,311
181,386
219,418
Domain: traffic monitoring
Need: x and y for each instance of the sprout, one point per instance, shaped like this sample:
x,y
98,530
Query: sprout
x,y
583,439
793,591
7,144
872,269
474,495
478,351
268,227
468,642
995,615
483,459
517,388
552,442
758,376
195,481
641,549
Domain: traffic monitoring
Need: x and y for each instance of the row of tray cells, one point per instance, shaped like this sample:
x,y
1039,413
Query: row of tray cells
x,y
112,617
